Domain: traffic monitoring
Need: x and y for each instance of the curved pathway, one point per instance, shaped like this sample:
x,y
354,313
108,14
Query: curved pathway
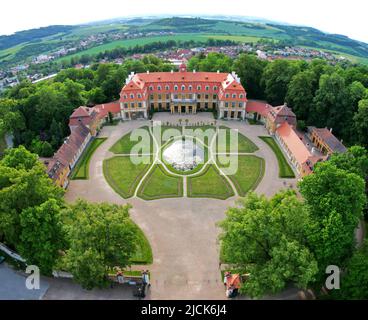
x,y
182,231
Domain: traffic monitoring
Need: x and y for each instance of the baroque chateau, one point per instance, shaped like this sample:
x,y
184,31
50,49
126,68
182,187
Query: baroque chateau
x,y
183,92
189,92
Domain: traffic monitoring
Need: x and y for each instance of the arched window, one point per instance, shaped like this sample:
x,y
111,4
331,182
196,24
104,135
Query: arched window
x,y
234,95
199,88
190,88
176,88
207,88
167,88
241,96
125,96
215,88
139,95
151,88
131,96
227,95
182,88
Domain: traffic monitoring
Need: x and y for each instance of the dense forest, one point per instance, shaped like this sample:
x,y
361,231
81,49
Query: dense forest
x,y
320,94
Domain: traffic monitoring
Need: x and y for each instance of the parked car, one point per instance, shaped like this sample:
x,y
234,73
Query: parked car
x,y
2,259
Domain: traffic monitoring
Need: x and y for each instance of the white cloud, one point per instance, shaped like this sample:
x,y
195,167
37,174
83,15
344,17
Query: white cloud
x,y
334,16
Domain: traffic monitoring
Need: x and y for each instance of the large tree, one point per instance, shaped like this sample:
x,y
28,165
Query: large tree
x,y
266,238
300,93
360,123
250,69
335,199
23,184
354,281
332,106
276,78
41,235
100,236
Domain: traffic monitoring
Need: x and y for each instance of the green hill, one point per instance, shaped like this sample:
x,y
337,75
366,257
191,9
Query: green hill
x,y
24,45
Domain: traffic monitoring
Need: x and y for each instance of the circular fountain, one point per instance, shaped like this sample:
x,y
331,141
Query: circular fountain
x,y
184,155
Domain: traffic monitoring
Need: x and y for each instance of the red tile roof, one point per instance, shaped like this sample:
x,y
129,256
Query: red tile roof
x,y
326,135
293,142
284,111
68,150
81,112
181,77
260,107
104,109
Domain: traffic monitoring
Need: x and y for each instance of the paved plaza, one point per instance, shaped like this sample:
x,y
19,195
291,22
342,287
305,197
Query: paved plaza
x,y
182,232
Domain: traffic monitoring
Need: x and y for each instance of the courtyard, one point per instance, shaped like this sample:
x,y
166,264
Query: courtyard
x,y
179,212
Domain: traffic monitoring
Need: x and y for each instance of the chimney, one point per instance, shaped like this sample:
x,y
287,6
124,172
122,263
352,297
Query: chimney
x,y
172,71
147,71
194,71
331,130
218,71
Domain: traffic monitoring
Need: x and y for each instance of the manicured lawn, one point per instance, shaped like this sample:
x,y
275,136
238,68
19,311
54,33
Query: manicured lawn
x,y
81,170
249,174
244,144
123,175
209,184
144,251
285,170
159,184
125,144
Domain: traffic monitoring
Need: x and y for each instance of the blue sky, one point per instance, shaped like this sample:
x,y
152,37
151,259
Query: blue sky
x,y
333,16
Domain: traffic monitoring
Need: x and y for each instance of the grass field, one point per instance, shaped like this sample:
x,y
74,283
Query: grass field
x,y
159,184
143,255
249,174
125,144
285,170
244,144
123,175
81,170
209,184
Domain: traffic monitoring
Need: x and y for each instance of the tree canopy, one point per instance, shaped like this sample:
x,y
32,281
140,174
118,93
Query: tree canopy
x,y
101,236
266,238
